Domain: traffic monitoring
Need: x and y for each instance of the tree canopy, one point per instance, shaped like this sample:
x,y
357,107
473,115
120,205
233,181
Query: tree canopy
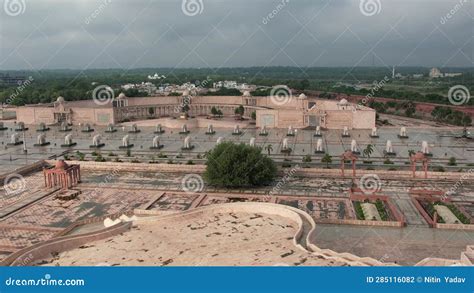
x,y
238,165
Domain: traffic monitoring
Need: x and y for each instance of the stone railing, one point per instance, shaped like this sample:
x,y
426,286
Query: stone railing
x,y
45,249
307,172
24,170
145,167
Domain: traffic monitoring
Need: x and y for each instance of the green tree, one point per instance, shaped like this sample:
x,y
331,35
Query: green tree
x,y
240,111
369,149
307,159
269,148
409,112
326,159
214,111
452,161
238,165
185,108
254,115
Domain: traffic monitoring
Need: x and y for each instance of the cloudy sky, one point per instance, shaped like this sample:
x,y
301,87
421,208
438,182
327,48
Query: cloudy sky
x,y
81,34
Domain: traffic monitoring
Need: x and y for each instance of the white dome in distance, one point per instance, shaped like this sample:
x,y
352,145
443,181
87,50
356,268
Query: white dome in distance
x,y
343,102
122,96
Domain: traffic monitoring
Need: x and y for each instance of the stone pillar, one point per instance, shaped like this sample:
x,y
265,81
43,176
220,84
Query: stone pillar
x,y
353,168
342,167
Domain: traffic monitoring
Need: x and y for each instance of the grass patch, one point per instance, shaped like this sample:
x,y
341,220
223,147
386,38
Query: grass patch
x,y
358,210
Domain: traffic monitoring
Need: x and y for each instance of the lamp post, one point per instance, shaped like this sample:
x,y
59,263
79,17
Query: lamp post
x,y
24,144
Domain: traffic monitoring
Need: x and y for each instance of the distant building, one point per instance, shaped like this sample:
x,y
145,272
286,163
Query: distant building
x,y
452,74
146,87
156,76
298,112
435,73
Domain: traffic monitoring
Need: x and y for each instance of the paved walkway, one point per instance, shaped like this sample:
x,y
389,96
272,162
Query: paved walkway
x,y
24,201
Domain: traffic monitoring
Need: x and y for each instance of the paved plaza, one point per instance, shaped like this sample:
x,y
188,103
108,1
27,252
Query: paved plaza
x,y
442,144
108,192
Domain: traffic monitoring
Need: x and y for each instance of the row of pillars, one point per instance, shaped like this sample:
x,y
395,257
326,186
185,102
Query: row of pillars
x,y
64,179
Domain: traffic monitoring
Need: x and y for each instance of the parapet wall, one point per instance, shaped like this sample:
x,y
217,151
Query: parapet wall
x,y
44,250
24,170
307,172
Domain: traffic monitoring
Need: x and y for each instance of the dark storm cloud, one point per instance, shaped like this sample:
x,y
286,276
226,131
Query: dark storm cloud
x,y
119,33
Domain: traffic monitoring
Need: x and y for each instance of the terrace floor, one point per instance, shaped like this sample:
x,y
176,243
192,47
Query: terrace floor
x,y
442,142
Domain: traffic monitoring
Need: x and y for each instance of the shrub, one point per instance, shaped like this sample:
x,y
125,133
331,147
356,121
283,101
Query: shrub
x,y
388,162
99,158
382,210
438,169
307,159
452,161
238,165
358,210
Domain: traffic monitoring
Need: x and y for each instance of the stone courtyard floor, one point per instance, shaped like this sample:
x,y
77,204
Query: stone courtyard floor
x,y
442,142
322,198
235,239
